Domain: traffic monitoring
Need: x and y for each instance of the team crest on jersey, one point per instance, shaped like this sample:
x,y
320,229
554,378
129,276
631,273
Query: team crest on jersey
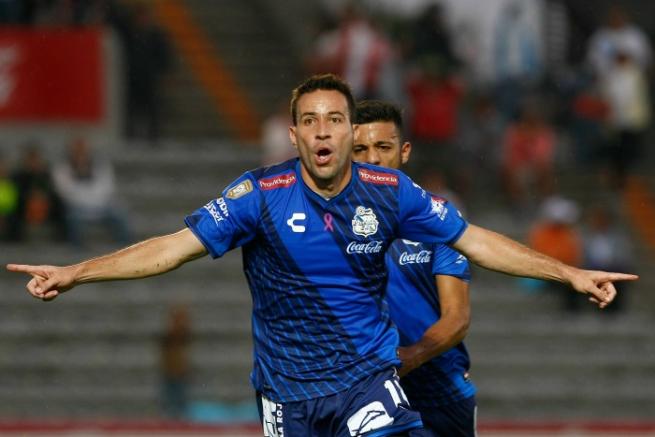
x,y
240,190
439,208
365,222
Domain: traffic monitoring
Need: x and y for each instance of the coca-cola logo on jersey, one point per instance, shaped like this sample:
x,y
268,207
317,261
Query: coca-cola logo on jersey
x,y
370,247
424,256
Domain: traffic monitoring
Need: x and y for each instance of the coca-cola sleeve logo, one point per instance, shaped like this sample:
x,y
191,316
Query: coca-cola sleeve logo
x,y
421,257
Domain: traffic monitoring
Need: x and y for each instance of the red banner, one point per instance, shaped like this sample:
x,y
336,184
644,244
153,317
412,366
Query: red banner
x,y
51,75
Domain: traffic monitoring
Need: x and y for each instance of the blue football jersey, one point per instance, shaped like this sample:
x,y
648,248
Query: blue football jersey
x,y
316,272
414,307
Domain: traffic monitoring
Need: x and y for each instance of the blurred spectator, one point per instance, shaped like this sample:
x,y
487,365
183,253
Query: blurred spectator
x,y
625,88
148,58
430,38
86,184
556,234
588,118
528,152
17,11
434,104
275,136
478,145
517,56
435,182
38,201
64,13
360,53
8,199
618,35
607,246
175,363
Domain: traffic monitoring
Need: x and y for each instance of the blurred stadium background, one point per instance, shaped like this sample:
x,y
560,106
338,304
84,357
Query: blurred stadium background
x,y
182,96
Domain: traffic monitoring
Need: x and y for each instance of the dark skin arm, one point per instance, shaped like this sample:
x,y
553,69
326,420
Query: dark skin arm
x,y
447,332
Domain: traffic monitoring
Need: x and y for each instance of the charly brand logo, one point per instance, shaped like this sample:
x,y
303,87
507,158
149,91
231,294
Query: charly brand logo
x,y
368,247
364,222
421,257
369,418
296,217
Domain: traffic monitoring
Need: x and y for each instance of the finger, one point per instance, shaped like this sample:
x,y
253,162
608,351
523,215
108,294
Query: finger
x,y
600,304
23,268
34,287
620,277
49,285
610,291
50,295
596,293
605,292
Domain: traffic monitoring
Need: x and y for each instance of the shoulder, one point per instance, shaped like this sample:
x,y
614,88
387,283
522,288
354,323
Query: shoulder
x,y
375,175
263,179
273,177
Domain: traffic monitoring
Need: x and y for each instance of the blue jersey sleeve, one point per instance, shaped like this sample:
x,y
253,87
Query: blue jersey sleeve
x,y
229,221
447,261
427,218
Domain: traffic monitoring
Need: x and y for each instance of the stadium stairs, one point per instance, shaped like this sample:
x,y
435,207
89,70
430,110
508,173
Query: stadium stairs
x,y
534,361
247,46
95,352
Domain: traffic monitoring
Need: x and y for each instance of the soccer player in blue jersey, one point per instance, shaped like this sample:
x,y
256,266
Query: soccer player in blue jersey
x,y
428,296
314,232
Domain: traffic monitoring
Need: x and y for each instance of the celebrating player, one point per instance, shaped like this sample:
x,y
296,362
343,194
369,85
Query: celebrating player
x,y
314,232
428,296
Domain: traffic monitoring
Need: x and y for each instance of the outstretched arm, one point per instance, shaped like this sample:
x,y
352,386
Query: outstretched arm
x,y
497,252
447,332
147,258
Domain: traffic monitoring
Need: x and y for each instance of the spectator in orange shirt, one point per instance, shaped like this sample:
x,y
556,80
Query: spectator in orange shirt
x,y
556,235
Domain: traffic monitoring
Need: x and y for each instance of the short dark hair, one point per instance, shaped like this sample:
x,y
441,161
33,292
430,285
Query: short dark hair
x,y
326,82
370,111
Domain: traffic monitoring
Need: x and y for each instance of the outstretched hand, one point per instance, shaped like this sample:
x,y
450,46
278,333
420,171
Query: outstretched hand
x,y
47,282
599,285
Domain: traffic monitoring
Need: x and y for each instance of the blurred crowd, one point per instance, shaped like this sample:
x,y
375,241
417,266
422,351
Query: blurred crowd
x,y
146,49
60,202
512,112
501,105
514,117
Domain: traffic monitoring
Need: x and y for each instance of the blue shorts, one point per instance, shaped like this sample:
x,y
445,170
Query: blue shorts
x,y
453,420
374,407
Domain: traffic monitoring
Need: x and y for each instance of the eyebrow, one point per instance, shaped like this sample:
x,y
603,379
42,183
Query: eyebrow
x,y
304,114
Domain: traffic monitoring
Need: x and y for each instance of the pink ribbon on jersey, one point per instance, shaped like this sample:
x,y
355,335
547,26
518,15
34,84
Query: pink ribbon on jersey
x,y
327,219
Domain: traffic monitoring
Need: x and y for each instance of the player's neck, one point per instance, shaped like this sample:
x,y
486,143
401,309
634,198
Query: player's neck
x,y
327,188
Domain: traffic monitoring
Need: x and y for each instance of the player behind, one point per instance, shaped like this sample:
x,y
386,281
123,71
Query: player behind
x,y
314,232
428,296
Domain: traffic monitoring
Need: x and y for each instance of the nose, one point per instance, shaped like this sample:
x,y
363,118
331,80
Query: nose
x,y
372,156
322,131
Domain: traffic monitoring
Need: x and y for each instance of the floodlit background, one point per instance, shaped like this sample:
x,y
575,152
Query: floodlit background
x,y
118,118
